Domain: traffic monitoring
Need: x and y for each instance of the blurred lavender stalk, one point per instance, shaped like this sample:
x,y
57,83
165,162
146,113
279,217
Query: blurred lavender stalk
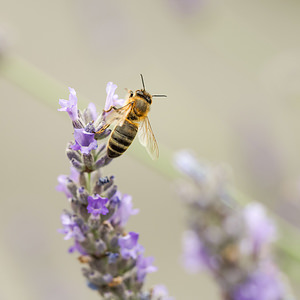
x,y
234,244
114,263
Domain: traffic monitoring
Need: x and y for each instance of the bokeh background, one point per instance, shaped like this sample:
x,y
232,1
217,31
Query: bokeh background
x,y
231,71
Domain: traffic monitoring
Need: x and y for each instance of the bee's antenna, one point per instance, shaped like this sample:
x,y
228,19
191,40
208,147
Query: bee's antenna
x,y
143,82
159,95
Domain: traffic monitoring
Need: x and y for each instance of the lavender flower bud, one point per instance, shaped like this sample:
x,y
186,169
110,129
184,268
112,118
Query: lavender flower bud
x,y
102,135
102,184
106,182
82,180
88,161
90,128
72,154
100,148
101,247
72,187
89,114
82,195
79,122
83,212
103,161
111,192
97,278
76,164
75,205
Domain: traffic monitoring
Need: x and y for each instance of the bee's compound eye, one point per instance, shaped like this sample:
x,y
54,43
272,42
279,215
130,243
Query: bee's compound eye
x,y
131,93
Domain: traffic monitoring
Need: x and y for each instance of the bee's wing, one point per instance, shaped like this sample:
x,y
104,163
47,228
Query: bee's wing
x,y
115,115
147,138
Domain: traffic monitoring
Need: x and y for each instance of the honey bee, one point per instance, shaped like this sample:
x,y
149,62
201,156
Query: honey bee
x,y
131,119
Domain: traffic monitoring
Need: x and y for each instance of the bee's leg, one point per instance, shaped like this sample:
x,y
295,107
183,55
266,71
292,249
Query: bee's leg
x,y
102,129
112,107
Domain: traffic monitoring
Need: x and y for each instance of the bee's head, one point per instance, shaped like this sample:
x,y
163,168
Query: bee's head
x,y
145,95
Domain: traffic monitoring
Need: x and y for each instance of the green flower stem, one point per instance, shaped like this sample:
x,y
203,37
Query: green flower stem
x,y
89,183
47,89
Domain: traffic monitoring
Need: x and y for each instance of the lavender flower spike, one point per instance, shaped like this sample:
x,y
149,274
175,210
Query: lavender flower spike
x,y
232,243
112,259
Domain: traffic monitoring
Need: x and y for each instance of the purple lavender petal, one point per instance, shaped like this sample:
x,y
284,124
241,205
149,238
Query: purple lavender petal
x,y
144,266
83,137
62,185
124,211
129,245
63,182
84,141
77,247
74,175
129,241
111,98
97,206
70,106
71,228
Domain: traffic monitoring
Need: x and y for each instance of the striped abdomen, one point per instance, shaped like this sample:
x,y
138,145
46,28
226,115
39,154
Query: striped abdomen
x,y
121,138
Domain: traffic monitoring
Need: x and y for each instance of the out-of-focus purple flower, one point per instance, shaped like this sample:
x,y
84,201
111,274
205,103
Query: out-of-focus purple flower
x,y
111,98
261,229
63,182
195,258
187,163
124,211
97,206
70,106
129,245
160,292
72,228
144,266
62,185
262,285
84,141
77,247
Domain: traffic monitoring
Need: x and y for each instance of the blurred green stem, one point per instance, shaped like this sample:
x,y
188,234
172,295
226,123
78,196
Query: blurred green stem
x,y
47,89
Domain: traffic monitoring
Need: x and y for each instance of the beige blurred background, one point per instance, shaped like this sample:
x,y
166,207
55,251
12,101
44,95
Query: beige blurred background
x,y
231,71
